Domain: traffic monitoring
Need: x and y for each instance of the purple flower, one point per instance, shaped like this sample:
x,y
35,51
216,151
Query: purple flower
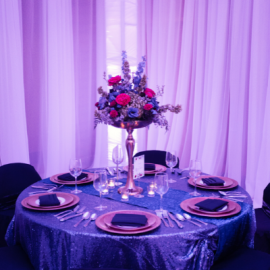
x,y
133,112
102,103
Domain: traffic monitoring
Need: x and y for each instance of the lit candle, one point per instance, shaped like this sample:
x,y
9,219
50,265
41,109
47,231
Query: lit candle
x,y
111,184
150,191
124,197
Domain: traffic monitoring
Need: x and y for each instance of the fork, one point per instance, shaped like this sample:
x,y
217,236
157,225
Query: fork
x,y
159,214
165,214
68,211
78,212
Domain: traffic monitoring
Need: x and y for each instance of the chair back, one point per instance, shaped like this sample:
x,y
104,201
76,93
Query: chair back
x,y
15,177
155,156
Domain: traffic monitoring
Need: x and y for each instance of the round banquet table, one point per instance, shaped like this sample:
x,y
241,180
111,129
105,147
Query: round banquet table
x,y
51,244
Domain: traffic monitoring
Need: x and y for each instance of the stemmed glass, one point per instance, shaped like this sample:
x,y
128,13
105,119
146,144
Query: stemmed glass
x,y
171,161
195,169
75,169
117,157
161,186
100,184
138,195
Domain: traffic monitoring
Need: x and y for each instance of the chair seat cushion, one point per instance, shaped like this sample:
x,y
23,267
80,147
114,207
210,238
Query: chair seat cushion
x,y
14,258
246,259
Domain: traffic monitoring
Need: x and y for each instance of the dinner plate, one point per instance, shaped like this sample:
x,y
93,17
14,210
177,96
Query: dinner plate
x,y
108,218
64,198
226,179
103,225
24,203
90,178
227,182
158,168
229,207
188,205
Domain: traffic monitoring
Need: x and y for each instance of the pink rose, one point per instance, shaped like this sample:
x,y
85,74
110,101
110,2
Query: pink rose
x,y
148,107
114,80
149,92
113,113
96,104
123,99
113,103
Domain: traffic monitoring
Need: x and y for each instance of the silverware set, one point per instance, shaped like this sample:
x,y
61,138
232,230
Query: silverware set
x,y
165,215
47,189
77,211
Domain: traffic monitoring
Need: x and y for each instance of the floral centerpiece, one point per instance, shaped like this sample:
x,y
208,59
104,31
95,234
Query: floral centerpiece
x,y
130,99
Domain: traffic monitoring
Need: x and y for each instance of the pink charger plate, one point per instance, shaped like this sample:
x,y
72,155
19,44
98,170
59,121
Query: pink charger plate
x,y
67,197
231,183
153,219
188,206
158,168
89,179
24,203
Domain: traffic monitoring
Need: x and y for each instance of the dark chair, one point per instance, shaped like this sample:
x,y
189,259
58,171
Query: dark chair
x,y
14,178
244,259
14,258
156,157
262,234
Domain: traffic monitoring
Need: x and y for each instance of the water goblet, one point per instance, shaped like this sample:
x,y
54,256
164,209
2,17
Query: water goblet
x,y
100,184
195,169
117,157
75,169
171,161
161,186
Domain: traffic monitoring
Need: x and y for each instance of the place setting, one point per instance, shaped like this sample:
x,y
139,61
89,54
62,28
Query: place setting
x,y
74,176
210,207
50,202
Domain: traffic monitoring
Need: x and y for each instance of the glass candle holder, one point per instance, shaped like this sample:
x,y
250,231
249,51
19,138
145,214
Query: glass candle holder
x,y
150,191
111,184
124,197
105,192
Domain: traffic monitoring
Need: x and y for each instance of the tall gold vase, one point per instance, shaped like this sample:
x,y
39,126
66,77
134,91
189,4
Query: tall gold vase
x,y
130,186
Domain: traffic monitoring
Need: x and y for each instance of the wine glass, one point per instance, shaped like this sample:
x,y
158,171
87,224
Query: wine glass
x,y
75,169
100,184
161,186
117,157
171,161
195,169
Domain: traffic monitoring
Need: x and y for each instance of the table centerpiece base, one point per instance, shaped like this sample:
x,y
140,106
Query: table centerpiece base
x,y
130,186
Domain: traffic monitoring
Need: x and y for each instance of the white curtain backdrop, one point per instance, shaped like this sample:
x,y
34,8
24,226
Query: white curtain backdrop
x,y
53,56
213,58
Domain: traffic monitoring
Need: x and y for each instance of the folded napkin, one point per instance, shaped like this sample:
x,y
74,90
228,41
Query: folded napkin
x,y
69,177
149,167
49,200
212,205
213,181
129,220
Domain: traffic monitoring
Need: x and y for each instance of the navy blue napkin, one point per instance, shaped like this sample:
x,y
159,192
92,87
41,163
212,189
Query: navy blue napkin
x,y
213,181
69,177
129,220
149,167
49,200
211,205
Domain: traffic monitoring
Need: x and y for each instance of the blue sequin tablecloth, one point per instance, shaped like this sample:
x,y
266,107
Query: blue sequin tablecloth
x,y
52,244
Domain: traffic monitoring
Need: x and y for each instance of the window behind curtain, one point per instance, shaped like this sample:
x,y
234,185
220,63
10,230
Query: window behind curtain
x,y
121,34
